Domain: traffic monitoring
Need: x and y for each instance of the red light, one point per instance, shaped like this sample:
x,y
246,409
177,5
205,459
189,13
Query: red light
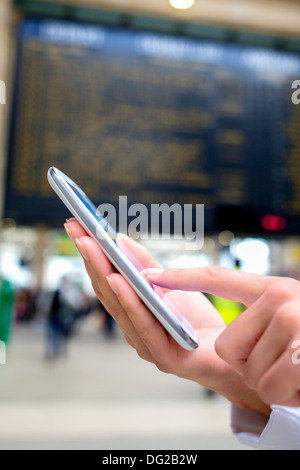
x,y
273,223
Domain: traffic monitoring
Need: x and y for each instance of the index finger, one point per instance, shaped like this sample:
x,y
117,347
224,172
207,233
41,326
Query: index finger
x,y
216,280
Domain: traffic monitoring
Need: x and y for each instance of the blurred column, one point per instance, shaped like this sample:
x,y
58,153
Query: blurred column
x,y
42,243
7,54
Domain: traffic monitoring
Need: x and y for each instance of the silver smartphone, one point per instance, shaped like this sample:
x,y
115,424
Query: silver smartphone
x,y
126,264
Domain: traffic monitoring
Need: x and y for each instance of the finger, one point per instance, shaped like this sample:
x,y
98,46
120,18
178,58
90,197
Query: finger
x,y
254,340
266,351
149,330
96,261
77,233
223,282
137,253
74,229
237,341
99,268
121,317
280,385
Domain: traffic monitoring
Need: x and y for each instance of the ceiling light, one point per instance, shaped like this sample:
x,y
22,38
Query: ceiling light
x,y
182,4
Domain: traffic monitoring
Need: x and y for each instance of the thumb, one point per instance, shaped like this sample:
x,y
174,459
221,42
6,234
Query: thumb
x,y
216,280
136,253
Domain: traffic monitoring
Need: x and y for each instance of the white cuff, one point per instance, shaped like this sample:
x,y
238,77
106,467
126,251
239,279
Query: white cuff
x,y
280,432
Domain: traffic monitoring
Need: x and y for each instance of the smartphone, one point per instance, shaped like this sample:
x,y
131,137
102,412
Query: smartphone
x,y
125,263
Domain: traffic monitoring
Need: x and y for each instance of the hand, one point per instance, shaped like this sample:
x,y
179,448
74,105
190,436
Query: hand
x,y
260,344
144,333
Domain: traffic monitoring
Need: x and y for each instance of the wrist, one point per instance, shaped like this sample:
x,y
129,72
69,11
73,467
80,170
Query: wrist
x,y
247,399
233,388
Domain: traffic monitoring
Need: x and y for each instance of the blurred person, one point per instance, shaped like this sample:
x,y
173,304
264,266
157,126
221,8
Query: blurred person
x,y
109,324
66,307
25,305
20,305
248,362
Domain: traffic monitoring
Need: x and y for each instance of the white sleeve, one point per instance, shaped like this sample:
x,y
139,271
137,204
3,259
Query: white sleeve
x,y
280,432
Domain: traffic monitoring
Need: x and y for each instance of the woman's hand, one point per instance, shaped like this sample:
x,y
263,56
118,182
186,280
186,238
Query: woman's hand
x,y
144,333
261,344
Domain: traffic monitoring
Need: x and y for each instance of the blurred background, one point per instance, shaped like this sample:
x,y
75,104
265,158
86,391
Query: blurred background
x,y
164,102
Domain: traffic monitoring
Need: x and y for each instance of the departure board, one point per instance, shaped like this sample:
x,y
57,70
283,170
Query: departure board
x,y
156,118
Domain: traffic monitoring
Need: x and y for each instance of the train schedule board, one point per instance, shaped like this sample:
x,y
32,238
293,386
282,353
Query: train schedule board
x,y
156,118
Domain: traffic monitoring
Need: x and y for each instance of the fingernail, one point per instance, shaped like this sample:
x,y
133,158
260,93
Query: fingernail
x,y
112,285
68,232
153,272
81,249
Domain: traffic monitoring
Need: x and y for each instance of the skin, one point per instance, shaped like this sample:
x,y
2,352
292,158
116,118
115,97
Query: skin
x,y
260,344
144,333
